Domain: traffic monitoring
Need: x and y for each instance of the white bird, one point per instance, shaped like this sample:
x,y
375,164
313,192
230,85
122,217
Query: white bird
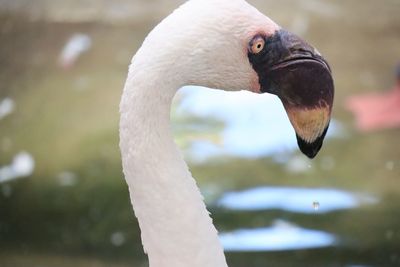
x,y
225,44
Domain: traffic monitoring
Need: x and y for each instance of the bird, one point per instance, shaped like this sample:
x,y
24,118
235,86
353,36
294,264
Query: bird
x,y
221,44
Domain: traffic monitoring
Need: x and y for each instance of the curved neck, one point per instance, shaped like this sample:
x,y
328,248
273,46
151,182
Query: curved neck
x,y
175,225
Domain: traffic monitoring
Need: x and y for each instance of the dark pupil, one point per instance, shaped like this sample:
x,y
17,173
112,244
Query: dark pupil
x,y
259,45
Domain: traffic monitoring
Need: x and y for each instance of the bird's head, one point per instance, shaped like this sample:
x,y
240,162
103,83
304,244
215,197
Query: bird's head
x,y
228,44
296,72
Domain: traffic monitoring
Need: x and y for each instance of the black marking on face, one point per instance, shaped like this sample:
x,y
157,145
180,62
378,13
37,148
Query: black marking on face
x,y
292,69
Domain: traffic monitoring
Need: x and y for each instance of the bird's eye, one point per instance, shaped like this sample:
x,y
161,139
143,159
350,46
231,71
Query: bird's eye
x,y
257,45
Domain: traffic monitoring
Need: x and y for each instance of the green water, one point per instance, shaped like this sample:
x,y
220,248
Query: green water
x,y
74,210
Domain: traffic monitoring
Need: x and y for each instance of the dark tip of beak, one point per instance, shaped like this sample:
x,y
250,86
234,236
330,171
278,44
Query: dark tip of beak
x,y
311,149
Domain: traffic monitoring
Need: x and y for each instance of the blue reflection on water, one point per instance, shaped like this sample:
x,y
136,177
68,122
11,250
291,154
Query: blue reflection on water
x,y
294,199
256,125
280,236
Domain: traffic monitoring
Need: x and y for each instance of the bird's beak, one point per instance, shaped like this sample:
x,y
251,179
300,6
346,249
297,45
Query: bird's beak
x,y
295,72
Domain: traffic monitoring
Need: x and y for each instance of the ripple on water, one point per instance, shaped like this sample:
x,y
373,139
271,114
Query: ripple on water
x,y
280,236
294,199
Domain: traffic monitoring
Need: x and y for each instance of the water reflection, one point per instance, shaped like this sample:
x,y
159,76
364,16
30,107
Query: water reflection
x,y
67,178
293,199
259,127
280,236
22,165
73,49
117,239
7,106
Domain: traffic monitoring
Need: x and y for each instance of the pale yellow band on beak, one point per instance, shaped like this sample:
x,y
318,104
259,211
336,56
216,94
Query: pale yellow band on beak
x,y
309,124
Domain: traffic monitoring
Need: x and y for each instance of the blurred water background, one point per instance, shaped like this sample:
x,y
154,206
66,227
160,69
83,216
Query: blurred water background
x,y
63,199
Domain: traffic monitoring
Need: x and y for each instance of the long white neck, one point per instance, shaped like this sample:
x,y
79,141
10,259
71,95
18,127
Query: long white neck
x,y
175,225
204,42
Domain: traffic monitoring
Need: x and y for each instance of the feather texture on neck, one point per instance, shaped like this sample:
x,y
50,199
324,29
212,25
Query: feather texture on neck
x,y
201,43
175,225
